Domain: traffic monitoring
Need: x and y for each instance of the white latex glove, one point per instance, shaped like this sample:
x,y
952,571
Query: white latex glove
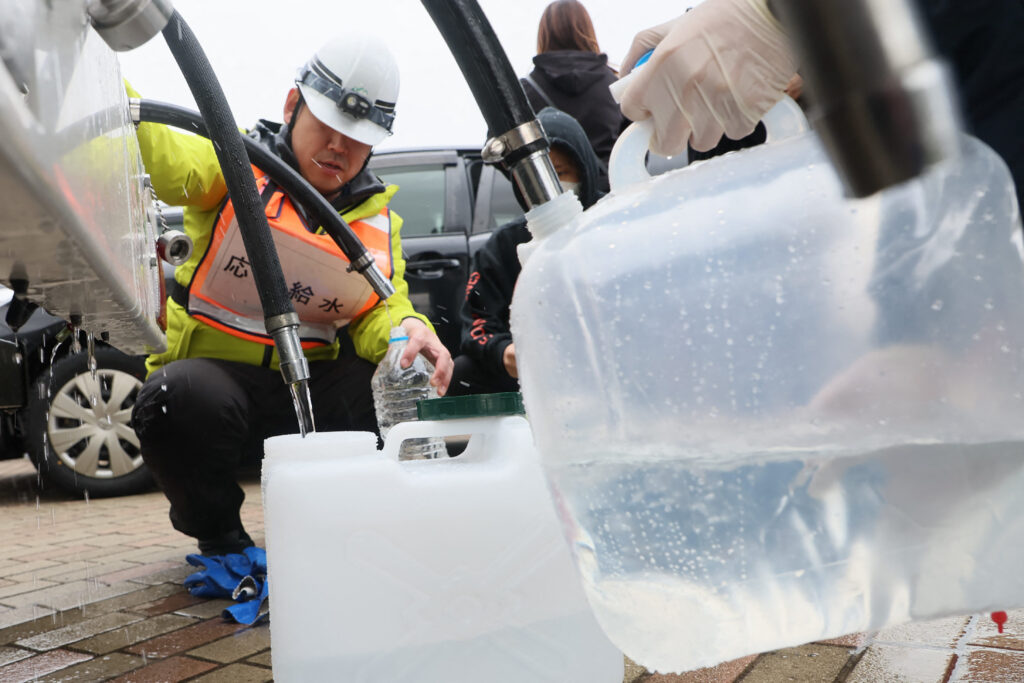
x,y
716,69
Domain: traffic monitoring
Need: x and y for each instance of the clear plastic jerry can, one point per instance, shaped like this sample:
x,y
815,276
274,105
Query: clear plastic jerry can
x,y
774,414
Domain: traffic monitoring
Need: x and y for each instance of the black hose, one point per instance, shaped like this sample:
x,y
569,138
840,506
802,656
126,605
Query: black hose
x,y
293,184
259,245
483,63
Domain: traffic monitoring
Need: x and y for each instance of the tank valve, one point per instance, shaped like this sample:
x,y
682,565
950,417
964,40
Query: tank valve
x,y
174,246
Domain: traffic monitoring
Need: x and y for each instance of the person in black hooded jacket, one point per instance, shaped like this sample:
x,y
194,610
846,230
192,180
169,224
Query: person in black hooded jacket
x,y
487,363
572,74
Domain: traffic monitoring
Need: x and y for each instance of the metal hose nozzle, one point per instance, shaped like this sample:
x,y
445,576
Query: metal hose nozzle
x,y
882,102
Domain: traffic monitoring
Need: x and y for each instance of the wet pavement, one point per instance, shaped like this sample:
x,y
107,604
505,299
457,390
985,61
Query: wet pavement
x,y
91,591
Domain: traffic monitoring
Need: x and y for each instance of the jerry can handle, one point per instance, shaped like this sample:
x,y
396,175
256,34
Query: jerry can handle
x,y
627,164
425,429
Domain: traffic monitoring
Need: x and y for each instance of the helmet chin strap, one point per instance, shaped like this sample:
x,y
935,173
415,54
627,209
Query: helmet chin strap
x,y
295,115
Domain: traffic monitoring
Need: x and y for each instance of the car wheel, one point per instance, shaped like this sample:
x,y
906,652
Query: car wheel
x,y
79,425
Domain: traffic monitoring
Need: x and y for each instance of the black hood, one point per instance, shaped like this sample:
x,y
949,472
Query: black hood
x,y
565,132
276,137
572,71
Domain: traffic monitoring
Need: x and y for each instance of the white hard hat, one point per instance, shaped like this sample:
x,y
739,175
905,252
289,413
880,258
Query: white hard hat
x,y
351,84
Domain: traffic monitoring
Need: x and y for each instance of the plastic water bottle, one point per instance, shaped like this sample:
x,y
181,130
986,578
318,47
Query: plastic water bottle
x,y
397,390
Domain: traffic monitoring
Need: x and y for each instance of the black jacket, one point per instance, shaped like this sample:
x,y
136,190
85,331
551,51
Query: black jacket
x,y
577,83
984,42
495,268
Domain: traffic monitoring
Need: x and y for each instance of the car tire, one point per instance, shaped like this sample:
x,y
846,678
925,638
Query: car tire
x,y
79,432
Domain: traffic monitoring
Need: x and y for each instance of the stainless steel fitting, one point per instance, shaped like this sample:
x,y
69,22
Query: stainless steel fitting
x,y
127,24
174,246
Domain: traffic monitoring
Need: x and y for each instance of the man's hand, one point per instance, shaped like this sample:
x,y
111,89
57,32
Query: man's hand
x,y
508,357
422,340
715,70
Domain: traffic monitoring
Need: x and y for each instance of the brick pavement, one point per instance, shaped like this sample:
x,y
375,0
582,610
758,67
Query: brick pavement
x,y
91,591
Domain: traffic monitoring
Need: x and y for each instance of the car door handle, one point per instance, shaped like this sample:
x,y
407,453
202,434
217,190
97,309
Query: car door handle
x,y
432,264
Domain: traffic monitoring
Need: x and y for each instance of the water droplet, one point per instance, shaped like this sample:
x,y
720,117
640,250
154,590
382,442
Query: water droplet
x,y
937,305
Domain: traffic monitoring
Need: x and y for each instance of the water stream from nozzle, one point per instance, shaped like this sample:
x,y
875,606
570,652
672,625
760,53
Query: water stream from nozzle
x,y
303,404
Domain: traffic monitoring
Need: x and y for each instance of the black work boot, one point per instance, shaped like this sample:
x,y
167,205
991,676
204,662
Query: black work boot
x,y
234,541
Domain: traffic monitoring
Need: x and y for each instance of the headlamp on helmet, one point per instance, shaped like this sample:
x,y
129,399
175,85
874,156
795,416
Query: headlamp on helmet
x,y
316,76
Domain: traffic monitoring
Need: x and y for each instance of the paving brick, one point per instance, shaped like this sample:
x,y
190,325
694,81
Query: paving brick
x,y
184,639
262,659
126,601
206,609
992,666
854,640
237,673
238,645
633,671
9,568
12,616
81,569
133,633
987,633
176,601
78,551
97,669
40,665
136,571
67,595
9,594
938,632
13,654
69,634
818,663
171,669
727,672
40,623
902,664
49,569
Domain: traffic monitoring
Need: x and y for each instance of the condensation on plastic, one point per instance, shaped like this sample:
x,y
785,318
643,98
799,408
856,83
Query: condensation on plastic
x,y
75,221
774,415
423,571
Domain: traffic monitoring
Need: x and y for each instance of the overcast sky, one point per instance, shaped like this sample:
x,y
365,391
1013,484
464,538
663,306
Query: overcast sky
x,y
256,47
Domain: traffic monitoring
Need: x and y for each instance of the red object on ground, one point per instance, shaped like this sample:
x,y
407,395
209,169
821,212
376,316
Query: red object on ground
x,y
1000,619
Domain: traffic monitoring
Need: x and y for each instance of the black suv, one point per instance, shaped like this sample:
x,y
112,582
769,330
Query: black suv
x,y
73,422
450,201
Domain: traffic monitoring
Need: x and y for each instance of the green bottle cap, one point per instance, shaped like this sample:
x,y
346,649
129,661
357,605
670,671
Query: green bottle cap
x,y
477,405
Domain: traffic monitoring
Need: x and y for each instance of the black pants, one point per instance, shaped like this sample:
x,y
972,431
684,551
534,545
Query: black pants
x,y
472,377
199,419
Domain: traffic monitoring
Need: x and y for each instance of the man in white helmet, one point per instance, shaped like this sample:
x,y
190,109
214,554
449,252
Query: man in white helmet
x,y
213,397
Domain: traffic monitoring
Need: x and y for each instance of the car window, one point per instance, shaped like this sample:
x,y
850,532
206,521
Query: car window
x,y
504,206
420,198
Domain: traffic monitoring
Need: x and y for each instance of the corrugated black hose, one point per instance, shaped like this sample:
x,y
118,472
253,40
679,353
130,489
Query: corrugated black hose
x,y
517,140
279,315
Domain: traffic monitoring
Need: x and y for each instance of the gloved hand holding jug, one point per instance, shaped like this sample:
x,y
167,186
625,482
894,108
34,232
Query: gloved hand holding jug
x,y
716,69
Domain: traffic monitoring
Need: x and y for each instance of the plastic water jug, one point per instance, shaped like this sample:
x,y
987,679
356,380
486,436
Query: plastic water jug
x,y
425,570
773,414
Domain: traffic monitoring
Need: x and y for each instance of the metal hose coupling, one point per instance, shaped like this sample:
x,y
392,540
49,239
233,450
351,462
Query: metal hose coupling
x,y
524,152
367,267
127,24
294,366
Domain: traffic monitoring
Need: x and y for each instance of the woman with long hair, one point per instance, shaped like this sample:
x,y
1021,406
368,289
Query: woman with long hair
x,y
572,74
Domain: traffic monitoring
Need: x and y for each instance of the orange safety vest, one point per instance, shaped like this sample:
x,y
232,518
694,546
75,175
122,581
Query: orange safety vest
x,y
326,295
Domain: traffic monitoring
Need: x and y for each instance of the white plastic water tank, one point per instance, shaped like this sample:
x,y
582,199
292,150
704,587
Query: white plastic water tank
x,y
430,570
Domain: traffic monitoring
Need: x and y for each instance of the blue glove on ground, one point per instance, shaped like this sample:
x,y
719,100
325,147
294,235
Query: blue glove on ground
x,y
240,577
